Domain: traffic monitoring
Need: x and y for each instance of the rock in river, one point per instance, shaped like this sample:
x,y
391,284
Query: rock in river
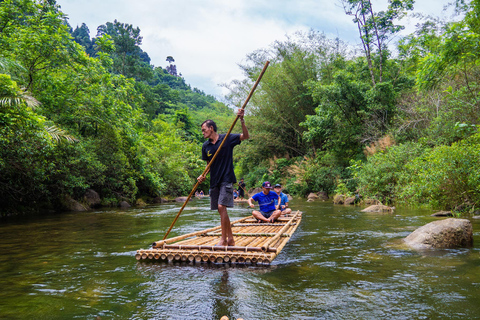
x,y
447,233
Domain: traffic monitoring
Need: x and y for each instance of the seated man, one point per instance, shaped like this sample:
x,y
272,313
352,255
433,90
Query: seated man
x,y
266,201
283,199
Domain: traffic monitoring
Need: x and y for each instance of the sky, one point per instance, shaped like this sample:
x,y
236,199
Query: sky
x,y
209,38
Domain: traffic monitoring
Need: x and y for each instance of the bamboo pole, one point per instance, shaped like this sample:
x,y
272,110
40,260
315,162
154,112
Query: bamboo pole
x,y
207,169
215,248
252,234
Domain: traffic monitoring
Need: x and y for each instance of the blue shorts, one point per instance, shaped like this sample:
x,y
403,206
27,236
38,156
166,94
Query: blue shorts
x,y
267,214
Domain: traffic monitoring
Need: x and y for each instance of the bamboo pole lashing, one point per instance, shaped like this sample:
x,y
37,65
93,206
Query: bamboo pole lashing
x,y
256,224
280,247
207,169
251,234
266,245
215,248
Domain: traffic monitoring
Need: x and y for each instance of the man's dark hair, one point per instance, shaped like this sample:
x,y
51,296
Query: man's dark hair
x,y
210,123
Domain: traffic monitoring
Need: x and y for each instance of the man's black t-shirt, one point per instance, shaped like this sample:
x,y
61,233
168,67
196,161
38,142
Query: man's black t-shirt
x,y
221,169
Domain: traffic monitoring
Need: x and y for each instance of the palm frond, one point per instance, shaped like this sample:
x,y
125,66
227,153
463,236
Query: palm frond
x,y
58,134
10,66
24,96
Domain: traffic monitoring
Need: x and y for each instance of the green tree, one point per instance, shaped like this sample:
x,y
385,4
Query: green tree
x,y
129,59
375,28
81,35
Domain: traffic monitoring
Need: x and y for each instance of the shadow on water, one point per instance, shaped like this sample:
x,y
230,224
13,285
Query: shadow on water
x,y
340,264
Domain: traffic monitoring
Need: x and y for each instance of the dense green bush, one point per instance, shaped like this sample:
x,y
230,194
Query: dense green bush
x,y
378,177
446,177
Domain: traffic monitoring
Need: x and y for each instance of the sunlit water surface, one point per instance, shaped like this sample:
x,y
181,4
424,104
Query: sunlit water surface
x,y
340,264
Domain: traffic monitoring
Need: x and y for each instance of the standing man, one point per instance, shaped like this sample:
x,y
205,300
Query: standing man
x,y
241,189
283,199
222,176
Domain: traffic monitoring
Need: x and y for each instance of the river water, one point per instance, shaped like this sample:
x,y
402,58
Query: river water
x,y
340,264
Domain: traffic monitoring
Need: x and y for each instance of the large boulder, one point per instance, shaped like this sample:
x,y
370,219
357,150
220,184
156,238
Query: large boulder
x,y
92,198
339,199
447,233
350,200
322,195
370,202
312,196
379,208
71,204
140,203
182,199
158,200
443,214
124,204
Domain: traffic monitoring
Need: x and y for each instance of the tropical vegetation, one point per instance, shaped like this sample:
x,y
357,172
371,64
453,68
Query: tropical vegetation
x,y
394,123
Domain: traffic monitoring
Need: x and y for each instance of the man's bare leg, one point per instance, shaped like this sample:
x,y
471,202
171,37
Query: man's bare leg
x,y
227,235
275,215
259,216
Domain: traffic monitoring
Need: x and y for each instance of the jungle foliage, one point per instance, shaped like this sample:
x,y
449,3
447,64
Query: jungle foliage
x,y
79,113
398,124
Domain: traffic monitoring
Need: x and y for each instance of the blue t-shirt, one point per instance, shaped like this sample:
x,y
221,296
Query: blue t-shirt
x,y
283,197
266,201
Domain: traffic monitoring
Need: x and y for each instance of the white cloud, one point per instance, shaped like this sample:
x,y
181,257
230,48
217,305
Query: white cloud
x,y
209,38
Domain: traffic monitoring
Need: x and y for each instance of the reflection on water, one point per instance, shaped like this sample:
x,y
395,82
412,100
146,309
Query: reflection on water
x,y
340,264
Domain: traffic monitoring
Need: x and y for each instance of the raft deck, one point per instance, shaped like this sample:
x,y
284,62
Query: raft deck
x,y
255,243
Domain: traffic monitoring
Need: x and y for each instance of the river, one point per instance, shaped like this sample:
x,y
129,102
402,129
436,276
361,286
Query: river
x,y
340,264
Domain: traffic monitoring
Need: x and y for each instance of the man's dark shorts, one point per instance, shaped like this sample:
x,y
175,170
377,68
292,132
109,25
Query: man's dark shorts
x,y
221,195
267,214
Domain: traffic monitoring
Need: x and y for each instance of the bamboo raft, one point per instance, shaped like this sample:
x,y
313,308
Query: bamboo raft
x,y
240,200
255,243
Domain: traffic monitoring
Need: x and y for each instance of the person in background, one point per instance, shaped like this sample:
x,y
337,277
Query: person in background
x,y
235,193
283,199
266,202
222,176
241,189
